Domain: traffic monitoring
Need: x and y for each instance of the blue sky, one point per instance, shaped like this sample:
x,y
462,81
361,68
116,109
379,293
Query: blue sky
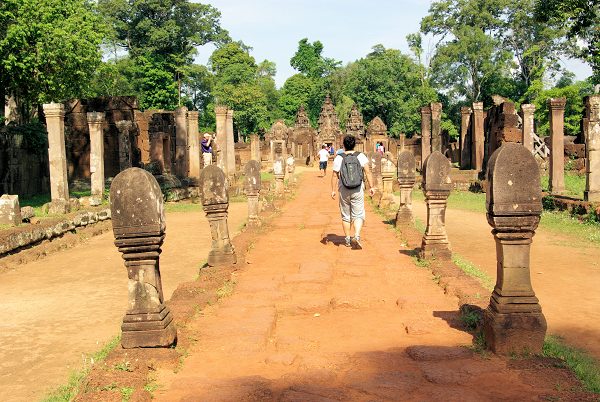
x,y
348,29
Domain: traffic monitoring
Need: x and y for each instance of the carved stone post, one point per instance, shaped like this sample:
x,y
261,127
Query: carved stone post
x,y
57,157
215,201
436,186
556,107
279,174
138,221
255,147
181,141
124,144
230,144
377,177
290,170
252,186
406,180
436,127
221,122
387,181
477,137
528,126
465,139
592,149
194,151
95,121
513,322
425,133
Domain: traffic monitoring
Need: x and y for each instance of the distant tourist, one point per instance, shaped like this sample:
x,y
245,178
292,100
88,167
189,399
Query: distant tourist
x,y
323,158
207,149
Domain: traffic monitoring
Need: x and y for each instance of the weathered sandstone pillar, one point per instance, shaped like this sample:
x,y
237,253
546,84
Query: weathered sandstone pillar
x,y
136,205
436,186
592,149
528,126
10,211
556,107
425,133
513,322
221,122
279,173
477,137
377,176
95,122
194,151
181,141
255,147
406,180
387,181
124,144
465,139
215,202
57,157
252,186
230,144
436,127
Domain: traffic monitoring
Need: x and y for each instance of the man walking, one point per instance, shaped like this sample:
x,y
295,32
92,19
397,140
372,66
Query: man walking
x,y
323,158
350,170
207,149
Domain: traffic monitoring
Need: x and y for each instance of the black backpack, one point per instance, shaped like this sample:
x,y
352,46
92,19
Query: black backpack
x,y
351,172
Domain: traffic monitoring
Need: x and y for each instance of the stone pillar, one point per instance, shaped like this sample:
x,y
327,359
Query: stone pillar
x,y
477,137
57,157
136,205
406,180
255,147
230,144
556,107
465,139
425,133
592,149
528,126
181,142
252,186
279,174
124,144
377,176
387,181
290,170
436,127
436,186
513,322
10,211
221,140
194,151
95,122
215,202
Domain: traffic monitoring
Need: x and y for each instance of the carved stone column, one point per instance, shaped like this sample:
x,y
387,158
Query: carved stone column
x,y
181,141
377,176
387,180
124,126
57,157
221,140
230,144
194,151
436,127
528,126
477,137
592,149
406,180
513,322
138,221
215,201
465,139
556,107
252,186
425,133
255,147
279,174
95,121
436,186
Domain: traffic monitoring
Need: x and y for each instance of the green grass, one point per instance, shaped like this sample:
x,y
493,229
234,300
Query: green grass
x,y
68,391
564,223
471,269
420,225
226,290
574,184
266,176
465,200
583,365
182,207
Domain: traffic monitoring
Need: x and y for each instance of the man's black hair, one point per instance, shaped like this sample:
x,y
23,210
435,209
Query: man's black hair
x,y
349,143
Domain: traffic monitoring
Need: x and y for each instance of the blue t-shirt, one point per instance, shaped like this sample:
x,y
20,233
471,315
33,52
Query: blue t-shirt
x,y
205,147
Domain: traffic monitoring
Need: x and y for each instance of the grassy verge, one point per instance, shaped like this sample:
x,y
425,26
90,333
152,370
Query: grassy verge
x,y
182,207
472,270
68,391
581,363
266,176
574,184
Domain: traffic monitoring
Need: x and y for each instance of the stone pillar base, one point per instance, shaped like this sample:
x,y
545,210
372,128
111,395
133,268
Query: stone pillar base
x,y
148,329
254,222
95,200
403,217
59,207
217,258
386,201
435,249
591,196
507,333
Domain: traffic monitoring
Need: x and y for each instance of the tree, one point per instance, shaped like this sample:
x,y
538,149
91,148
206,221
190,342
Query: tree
x,y
310,62
300,90
581,19
48,49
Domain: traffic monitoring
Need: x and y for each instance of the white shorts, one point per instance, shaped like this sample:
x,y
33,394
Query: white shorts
x,y
207,158
352,203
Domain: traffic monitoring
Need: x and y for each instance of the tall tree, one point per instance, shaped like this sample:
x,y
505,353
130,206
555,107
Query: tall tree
x,y
309,60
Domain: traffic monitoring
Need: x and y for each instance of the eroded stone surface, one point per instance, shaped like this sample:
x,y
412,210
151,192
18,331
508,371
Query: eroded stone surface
x,y
406,179
10,212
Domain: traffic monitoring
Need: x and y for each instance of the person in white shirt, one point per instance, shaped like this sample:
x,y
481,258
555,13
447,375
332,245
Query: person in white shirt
x,y
323,158
352,200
